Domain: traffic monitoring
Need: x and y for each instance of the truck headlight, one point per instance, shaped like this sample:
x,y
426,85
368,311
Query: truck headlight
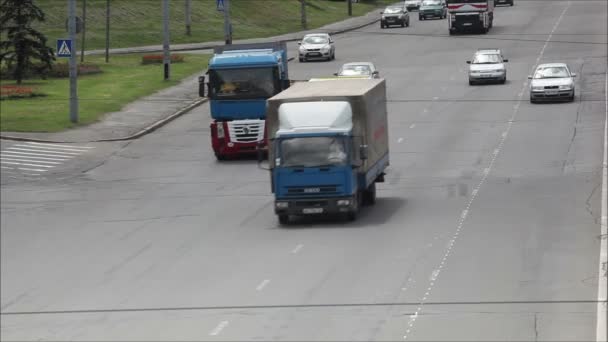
x,y
282,205
220,130
565,87
343,202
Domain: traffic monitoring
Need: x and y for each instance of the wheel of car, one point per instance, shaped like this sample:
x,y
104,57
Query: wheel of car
x,y
504,80
381,25
407,23
420,17
403,23
220,157
301,59
471,82
571,98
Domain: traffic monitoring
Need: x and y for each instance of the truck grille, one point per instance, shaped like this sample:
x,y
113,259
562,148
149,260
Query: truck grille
x,y
246,131
312,190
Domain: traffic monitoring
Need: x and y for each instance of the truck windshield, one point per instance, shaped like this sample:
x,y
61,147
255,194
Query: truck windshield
x,y
244,83
313,151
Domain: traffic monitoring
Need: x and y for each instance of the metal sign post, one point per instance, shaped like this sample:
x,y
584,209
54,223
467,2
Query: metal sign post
x,y
73,62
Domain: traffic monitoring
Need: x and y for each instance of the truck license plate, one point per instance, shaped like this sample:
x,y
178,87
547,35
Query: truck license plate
x,y
312,210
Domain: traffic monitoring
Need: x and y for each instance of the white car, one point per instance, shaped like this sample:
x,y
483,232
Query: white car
x,y
413,4
316,46
358,70
487,65
552,81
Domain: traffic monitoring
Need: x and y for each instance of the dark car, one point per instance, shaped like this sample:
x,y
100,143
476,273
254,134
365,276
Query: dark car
x,y
433,9
395,15
503,2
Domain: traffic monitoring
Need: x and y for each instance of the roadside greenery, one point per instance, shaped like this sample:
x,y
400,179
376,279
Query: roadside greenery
x,y
138,22
123,80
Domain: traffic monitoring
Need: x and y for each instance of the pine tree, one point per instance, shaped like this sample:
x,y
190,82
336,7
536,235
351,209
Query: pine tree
x,y
23,45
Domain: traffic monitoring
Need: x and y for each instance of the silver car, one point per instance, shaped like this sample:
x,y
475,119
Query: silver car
x,y
487,65
358,70
413,4
552,81
317,46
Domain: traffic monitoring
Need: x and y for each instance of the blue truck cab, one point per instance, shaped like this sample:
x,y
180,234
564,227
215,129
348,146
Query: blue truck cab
x,y
241,78
329,146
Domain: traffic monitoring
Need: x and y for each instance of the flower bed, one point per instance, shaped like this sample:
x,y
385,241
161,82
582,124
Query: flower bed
x,y
158,59
18,92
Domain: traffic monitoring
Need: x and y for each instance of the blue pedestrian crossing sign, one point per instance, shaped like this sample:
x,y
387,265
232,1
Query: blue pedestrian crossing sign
x,y
220,5
64,48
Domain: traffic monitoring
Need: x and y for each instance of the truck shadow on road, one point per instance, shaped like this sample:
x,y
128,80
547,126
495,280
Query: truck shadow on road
x,y
369,216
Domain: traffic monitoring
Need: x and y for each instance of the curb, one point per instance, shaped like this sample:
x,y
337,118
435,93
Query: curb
x,y
154,126
175,115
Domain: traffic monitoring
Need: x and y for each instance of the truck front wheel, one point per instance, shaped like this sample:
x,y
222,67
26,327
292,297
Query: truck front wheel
x,y
284,219
369,195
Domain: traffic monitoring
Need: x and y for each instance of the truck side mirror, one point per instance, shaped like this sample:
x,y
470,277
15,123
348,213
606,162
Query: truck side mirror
x,y
299,43
201,86
260,152
363,152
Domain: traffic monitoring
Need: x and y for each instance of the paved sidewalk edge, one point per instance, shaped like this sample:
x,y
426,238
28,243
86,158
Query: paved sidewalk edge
x,y
173,116
154,126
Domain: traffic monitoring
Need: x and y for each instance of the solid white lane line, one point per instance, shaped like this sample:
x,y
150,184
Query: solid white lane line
x,y
297,249
7,167
486,173
51,148
47,153
262,284
412,125
34,155
26,164
217,330
28,169
602,286
400,140
56,145
29,160
44,148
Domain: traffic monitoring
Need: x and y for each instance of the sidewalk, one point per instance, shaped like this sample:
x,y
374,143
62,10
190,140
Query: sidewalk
x,y
151,112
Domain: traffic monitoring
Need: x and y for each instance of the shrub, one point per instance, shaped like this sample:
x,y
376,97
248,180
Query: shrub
x,y
61,70
158,59
17,92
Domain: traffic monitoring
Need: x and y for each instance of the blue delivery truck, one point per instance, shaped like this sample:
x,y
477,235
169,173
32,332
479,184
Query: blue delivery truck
x,y
241,77
328,146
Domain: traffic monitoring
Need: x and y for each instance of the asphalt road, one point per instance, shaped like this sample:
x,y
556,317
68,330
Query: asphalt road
x,y
486,229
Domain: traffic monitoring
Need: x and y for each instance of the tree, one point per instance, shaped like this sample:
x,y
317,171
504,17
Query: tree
x,y
23,44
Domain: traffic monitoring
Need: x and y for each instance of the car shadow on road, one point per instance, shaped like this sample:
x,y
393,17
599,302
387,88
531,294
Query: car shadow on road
x,y
369,216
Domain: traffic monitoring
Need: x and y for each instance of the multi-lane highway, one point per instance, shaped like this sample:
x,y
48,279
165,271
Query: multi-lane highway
x,y
487,228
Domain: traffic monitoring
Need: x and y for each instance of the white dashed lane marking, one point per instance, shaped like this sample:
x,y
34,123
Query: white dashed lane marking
x,y
38,157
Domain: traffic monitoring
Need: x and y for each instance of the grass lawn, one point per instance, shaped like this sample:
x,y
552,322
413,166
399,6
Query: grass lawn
x,y
138,22
123,80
